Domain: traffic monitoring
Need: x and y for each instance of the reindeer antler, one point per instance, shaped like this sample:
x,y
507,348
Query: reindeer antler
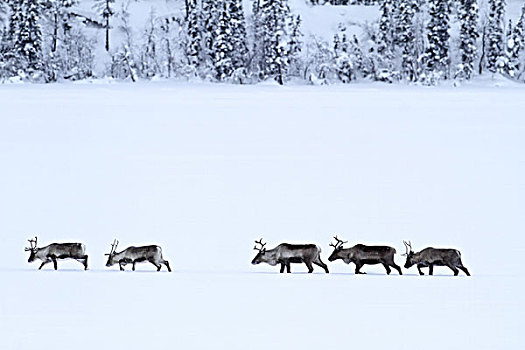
x,y
338,244
408,247
31,241
261,243
113,247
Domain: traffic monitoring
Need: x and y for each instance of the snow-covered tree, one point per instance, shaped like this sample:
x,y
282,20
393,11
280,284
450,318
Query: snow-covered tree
x,y
382,53
193,45
209,20
273,18
406,39
495,35
73,58
437,52
123,60
148,64
385,33
343,65
58,13
295,45
515,50
222,47
238,38
468,18
169,37
26,35
318,57
105,8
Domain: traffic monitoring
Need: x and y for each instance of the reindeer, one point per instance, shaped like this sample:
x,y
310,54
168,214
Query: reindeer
x,y
434,257
361,254
285,254
133,255
54,251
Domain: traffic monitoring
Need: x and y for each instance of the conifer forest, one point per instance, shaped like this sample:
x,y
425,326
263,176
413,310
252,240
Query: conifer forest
x,y
246,42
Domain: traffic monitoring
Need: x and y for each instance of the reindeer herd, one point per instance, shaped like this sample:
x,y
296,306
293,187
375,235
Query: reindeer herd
x,y
284,255
77,251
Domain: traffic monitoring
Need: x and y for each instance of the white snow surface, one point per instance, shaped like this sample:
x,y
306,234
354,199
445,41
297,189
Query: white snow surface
x,y
204,170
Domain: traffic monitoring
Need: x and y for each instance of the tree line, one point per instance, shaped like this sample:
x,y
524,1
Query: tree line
x,y
215,40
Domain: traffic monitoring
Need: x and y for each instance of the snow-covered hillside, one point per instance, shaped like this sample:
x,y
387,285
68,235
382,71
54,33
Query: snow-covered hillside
x,y
288,41
204,170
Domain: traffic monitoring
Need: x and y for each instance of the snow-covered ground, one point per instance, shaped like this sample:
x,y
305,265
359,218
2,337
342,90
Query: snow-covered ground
x,y
204,170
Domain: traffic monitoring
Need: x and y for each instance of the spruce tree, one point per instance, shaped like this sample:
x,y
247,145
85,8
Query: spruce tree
x,y
406,39
385,34
382,54
509,60
468,18
343,65
239,40
14,18
222,47
495,35
437,52
27,35
274,19
209,25
194,40
518,50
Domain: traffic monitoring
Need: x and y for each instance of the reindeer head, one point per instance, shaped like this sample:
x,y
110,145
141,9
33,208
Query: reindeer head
x,y
409,254
32,248
260,257
338,247
111,255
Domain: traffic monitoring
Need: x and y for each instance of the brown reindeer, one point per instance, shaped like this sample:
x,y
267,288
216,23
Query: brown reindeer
x,y
55,251
361,254
285,254
133,255
430,257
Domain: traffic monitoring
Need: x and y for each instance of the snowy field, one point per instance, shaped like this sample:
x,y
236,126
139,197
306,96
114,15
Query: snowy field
x,y
204,170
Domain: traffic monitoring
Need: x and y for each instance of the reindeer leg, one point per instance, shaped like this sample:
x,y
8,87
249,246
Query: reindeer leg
x,y
55,264
282,268
82,260
453,268
419,269
165,262
158,266
387,268
43,263
85,262
133,268
318,262
310,267
430,269
464,269
121,264
358,268
288,267
393,264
